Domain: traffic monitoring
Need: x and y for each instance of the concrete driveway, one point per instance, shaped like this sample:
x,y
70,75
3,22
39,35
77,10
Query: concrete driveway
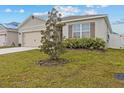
x,y
15,49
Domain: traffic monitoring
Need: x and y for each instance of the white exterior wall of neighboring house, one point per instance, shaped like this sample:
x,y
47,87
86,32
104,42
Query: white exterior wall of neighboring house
x,y
116,41
30,32
2,39
7,37
100,27
3,33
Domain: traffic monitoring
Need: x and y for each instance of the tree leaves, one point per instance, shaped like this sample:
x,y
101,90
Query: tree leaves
x,y
51,43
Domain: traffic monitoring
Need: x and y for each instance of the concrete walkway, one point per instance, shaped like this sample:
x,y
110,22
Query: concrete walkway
x,y
15,49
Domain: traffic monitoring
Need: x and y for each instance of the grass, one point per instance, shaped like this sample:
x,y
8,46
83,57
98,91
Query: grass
x,y
87,69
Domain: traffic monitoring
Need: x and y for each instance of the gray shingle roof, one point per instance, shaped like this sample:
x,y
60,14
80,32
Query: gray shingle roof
x,y
78,17
11,26
45,17
71,17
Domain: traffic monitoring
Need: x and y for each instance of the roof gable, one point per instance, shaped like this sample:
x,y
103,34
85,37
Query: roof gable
x,y
12,25
8,27
28,19
32,24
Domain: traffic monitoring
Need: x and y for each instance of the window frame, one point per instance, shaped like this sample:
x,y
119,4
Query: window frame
x,y
76,31
80,29
86,31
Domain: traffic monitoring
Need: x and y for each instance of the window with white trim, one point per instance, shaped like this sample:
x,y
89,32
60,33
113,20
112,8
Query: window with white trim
x,y
76,30
85,30
81,30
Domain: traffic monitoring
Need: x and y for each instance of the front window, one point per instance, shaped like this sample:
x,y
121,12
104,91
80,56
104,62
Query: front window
x,y
76,30
85,27
81,30
85,30
76,35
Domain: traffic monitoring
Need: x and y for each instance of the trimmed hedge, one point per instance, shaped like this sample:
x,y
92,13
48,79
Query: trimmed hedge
x,y
85,43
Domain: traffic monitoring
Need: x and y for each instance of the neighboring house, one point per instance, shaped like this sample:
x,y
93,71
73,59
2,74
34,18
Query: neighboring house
x,y
116,41
8,34
91,26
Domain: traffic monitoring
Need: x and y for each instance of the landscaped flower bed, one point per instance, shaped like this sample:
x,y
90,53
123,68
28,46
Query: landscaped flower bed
x,y
85,43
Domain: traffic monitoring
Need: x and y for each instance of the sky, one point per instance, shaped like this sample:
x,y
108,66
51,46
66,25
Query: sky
x,y
19,13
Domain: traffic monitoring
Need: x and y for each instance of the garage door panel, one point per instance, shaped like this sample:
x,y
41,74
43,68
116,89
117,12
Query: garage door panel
x,y
32,39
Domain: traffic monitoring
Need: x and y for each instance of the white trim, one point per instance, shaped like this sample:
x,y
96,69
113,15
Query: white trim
x,y
80,31
15,31
108,24
84,18
37,30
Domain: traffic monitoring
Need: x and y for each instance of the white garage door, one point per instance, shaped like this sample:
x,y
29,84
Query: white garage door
x,y
31,39
2,40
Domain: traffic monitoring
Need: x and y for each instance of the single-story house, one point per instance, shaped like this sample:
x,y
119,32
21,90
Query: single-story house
x,y
8,34
95,26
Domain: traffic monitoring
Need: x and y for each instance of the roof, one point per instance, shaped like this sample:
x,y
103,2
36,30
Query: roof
x,y
10,26
42,18
80,16
70,17
74,18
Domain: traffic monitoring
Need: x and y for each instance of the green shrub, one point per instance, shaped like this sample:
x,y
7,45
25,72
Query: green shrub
x,y
85,43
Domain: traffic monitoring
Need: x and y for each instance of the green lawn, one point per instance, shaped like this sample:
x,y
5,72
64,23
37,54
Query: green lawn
x,y
87,69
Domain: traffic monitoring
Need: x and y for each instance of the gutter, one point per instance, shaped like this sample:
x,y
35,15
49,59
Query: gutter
x,y
83,19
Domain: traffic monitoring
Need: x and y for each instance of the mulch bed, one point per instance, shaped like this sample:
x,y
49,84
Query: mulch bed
x,y
49,62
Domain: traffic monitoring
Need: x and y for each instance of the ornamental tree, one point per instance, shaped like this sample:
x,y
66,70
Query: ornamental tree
x,y
51,40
